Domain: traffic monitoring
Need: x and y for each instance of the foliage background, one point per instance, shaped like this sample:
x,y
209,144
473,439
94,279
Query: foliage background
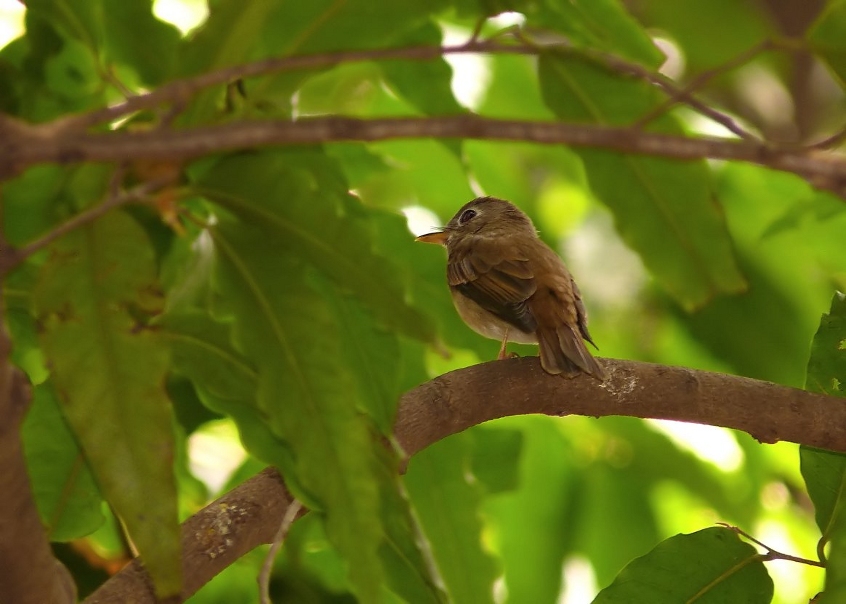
x,y
292,303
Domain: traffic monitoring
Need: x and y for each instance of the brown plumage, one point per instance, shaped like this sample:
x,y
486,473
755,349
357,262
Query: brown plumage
x,y
509,285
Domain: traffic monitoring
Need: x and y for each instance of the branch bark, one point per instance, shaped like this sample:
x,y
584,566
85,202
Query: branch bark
x,y
25,146
29,574
458,400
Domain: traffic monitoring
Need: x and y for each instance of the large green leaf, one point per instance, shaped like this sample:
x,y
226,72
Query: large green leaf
x,y
448,506
725,570
664,209
305,391
67,496
300,201
531,526
784,289
824,471
108,368
227,382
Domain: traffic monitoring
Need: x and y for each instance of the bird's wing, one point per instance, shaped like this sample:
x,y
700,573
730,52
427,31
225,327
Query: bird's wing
x,y
499,284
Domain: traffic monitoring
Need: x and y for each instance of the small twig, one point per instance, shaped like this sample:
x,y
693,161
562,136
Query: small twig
x,y
676,93
772,554
477,31
829,142
181,90
685,94
115,199
821,549
267,566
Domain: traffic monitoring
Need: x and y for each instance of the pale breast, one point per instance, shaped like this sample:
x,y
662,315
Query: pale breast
x,y
487,324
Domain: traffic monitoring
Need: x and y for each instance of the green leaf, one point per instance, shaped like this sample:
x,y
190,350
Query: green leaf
x,y
67,496
305,390
825,478
405,77
595,24
300,201
123,32
726,570
108,368
532,526
30,202
447,504
827,365
136,38
826,37
411,572
783,289
496,457
372,352
664,209
226,382
825,471
691,25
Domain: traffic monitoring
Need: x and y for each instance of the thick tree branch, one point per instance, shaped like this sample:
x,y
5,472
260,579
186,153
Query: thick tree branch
x,y
28,571
212,539
25,146
251,513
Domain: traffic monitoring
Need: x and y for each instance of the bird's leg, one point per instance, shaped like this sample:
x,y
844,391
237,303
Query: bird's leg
x,y
502,353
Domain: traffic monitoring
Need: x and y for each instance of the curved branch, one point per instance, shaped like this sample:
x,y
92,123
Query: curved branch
x,y
768,412
250,514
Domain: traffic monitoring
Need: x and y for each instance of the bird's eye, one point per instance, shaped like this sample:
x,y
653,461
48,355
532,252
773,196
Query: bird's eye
x,y
466,216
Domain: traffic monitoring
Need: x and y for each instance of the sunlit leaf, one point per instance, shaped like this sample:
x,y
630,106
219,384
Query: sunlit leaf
x,y
726,570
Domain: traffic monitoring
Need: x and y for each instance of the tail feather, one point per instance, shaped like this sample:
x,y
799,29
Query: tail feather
x,y
563,351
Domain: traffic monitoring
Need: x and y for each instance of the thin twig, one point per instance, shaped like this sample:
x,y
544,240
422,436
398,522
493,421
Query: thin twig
x,y
829,141
821,549
630,68
181,90
114,200
772,554
684,95
267,566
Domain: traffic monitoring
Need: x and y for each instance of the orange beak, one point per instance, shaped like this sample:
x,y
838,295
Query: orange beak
x,y
439,237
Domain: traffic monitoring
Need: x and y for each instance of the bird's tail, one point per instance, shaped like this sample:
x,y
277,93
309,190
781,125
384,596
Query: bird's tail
x,y
562,351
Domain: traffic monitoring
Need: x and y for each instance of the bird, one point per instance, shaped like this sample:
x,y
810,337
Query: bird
x,y
508,285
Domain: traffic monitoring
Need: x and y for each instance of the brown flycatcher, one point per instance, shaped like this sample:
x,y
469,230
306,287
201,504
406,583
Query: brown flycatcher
x,y
507,284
